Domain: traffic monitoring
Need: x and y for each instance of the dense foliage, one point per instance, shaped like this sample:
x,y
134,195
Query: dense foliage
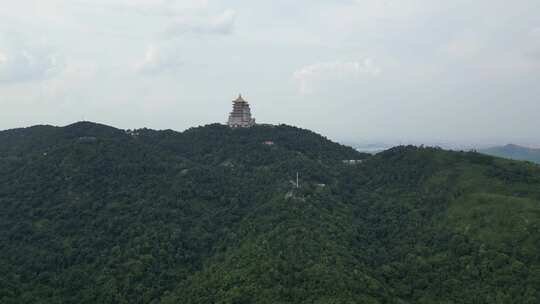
x,y
93,214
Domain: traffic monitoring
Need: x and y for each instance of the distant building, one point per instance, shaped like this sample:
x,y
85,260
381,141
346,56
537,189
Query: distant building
x,y
353,161
240,116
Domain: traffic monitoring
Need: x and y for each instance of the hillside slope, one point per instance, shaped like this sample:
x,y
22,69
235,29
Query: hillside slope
x,y
93,214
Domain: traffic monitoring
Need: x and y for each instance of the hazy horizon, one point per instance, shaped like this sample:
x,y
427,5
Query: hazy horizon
x,y
411,71
361,144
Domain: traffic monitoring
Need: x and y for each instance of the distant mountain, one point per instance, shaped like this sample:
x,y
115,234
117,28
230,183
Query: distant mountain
x,y
371,148
94,214
514,152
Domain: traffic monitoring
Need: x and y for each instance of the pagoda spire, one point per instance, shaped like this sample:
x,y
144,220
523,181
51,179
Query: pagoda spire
x,y
240,98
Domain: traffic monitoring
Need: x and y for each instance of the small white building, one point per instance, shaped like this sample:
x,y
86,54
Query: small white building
x,y
352,161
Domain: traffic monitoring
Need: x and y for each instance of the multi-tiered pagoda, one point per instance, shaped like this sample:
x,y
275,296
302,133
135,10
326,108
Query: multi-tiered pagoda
x,y
240,116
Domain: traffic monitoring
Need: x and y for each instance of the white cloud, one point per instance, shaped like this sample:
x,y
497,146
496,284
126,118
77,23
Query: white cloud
x,y
22,60
180,17
464,47
162,56
220,24
146,7
158,59
165,18
72,81
534,48
310,76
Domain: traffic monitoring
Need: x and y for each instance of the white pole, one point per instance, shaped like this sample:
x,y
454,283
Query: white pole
x,y
297,185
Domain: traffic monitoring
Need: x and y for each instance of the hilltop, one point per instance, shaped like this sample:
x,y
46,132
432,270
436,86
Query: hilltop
x,y
94,214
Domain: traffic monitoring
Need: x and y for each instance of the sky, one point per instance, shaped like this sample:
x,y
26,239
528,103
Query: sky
x,y
407,71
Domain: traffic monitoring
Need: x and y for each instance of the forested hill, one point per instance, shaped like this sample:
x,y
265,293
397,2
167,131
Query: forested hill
x,y
212,141
94,214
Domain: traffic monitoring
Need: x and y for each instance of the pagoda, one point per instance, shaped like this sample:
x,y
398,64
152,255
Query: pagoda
x,y
240,116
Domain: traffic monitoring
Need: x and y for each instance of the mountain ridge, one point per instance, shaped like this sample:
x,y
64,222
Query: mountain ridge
x,y
513,151
210,215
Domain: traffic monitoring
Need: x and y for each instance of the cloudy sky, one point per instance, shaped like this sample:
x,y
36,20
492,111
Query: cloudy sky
x,y
410,70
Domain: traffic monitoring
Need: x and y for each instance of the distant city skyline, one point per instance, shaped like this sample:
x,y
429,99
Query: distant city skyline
x,y
411,71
